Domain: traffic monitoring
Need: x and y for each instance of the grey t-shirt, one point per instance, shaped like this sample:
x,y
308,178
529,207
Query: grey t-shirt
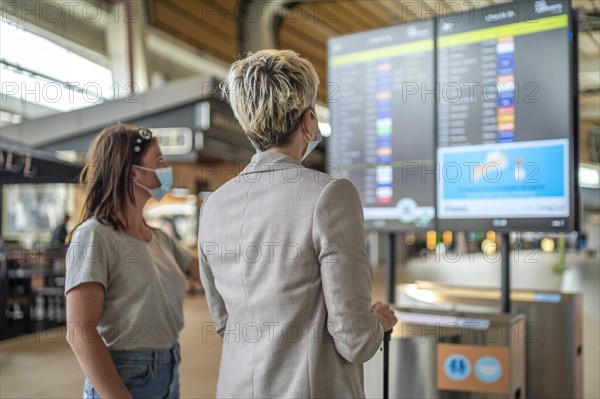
x,y
144,284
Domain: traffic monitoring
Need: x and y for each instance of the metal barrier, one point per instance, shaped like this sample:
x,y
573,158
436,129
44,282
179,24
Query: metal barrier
x,y
441,354
554,330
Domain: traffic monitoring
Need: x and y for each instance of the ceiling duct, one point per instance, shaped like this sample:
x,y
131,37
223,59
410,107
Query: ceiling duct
x,y
259,22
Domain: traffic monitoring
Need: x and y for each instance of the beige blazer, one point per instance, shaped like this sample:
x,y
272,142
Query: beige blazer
x,y
286,275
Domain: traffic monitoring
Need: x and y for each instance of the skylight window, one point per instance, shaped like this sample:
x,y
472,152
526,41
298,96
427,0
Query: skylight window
x,y
36,70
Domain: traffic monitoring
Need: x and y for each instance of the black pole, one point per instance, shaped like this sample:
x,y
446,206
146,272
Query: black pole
x,y
390,268
505,284
386,364
1,206
390,286
3,276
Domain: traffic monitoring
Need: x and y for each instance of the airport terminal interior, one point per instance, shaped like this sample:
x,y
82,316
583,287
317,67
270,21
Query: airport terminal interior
x,y
469,128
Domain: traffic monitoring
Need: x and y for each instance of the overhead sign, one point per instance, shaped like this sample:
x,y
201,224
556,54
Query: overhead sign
x,y
174,140
218,133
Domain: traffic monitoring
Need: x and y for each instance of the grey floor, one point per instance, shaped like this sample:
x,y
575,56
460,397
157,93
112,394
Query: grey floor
x,y
48,368
43,366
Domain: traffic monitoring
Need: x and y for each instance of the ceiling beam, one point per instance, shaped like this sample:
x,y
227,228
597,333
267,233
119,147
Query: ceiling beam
x,y
259,22
49,129
176,51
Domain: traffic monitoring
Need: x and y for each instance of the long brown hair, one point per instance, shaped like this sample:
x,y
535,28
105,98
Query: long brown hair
x,y
107,172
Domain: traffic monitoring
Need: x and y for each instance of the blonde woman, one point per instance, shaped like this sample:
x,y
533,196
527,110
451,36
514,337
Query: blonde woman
x,y
125,281
282,250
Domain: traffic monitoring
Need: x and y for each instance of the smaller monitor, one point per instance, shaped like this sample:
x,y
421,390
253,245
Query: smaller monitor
x,y
382,120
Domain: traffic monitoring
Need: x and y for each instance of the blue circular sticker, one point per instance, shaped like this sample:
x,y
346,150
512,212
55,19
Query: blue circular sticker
x,y
488,369
457,367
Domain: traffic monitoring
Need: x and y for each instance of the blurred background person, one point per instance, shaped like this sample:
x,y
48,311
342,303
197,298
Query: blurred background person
x,y
59,235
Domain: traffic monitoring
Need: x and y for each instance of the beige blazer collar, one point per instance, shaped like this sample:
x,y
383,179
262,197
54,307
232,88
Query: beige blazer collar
x,y
270,161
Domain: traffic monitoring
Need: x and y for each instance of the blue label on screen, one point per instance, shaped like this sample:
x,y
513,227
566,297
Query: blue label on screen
x,y
384,159
506,99
506,71
384,114
505,63
384,141
506,137
507,94
505,60
526,172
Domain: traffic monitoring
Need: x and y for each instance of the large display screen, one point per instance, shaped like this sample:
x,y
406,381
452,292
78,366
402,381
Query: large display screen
x,y
505,134
382,123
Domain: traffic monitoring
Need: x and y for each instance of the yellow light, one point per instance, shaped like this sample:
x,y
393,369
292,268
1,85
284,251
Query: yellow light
x,y
192,199
431,240
547,244
488,247
447,237
491,236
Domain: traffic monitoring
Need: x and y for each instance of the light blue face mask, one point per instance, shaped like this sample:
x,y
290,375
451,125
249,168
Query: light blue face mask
x,y
314,142
165,178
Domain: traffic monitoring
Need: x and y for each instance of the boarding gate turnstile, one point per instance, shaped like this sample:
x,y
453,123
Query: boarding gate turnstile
x,y
439,354
554,330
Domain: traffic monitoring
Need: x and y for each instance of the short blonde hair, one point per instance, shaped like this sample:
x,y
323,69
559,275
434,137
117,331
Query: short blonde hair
x,y
268,92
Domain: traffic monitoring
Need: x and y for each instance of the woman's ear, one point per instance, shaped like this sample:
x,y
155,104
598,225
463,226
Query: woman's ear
x,y
306,121
134,174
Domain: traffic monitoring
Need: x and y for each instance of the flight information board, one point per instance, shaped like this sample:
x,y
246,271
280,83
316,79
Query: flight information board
x,y
505,134
382,122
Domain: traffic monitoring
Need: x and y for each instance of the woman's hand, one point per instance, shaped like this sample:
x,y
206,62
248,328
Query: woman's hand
x,y
193,270
386,316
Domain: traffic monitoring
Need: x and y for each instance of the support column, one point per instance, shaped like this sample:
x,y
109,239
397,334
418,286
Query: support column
x,y
126,48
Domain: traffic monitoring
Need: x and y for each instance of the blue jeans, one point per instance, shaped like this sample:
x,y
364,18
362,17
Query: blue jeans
x,y
147,374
